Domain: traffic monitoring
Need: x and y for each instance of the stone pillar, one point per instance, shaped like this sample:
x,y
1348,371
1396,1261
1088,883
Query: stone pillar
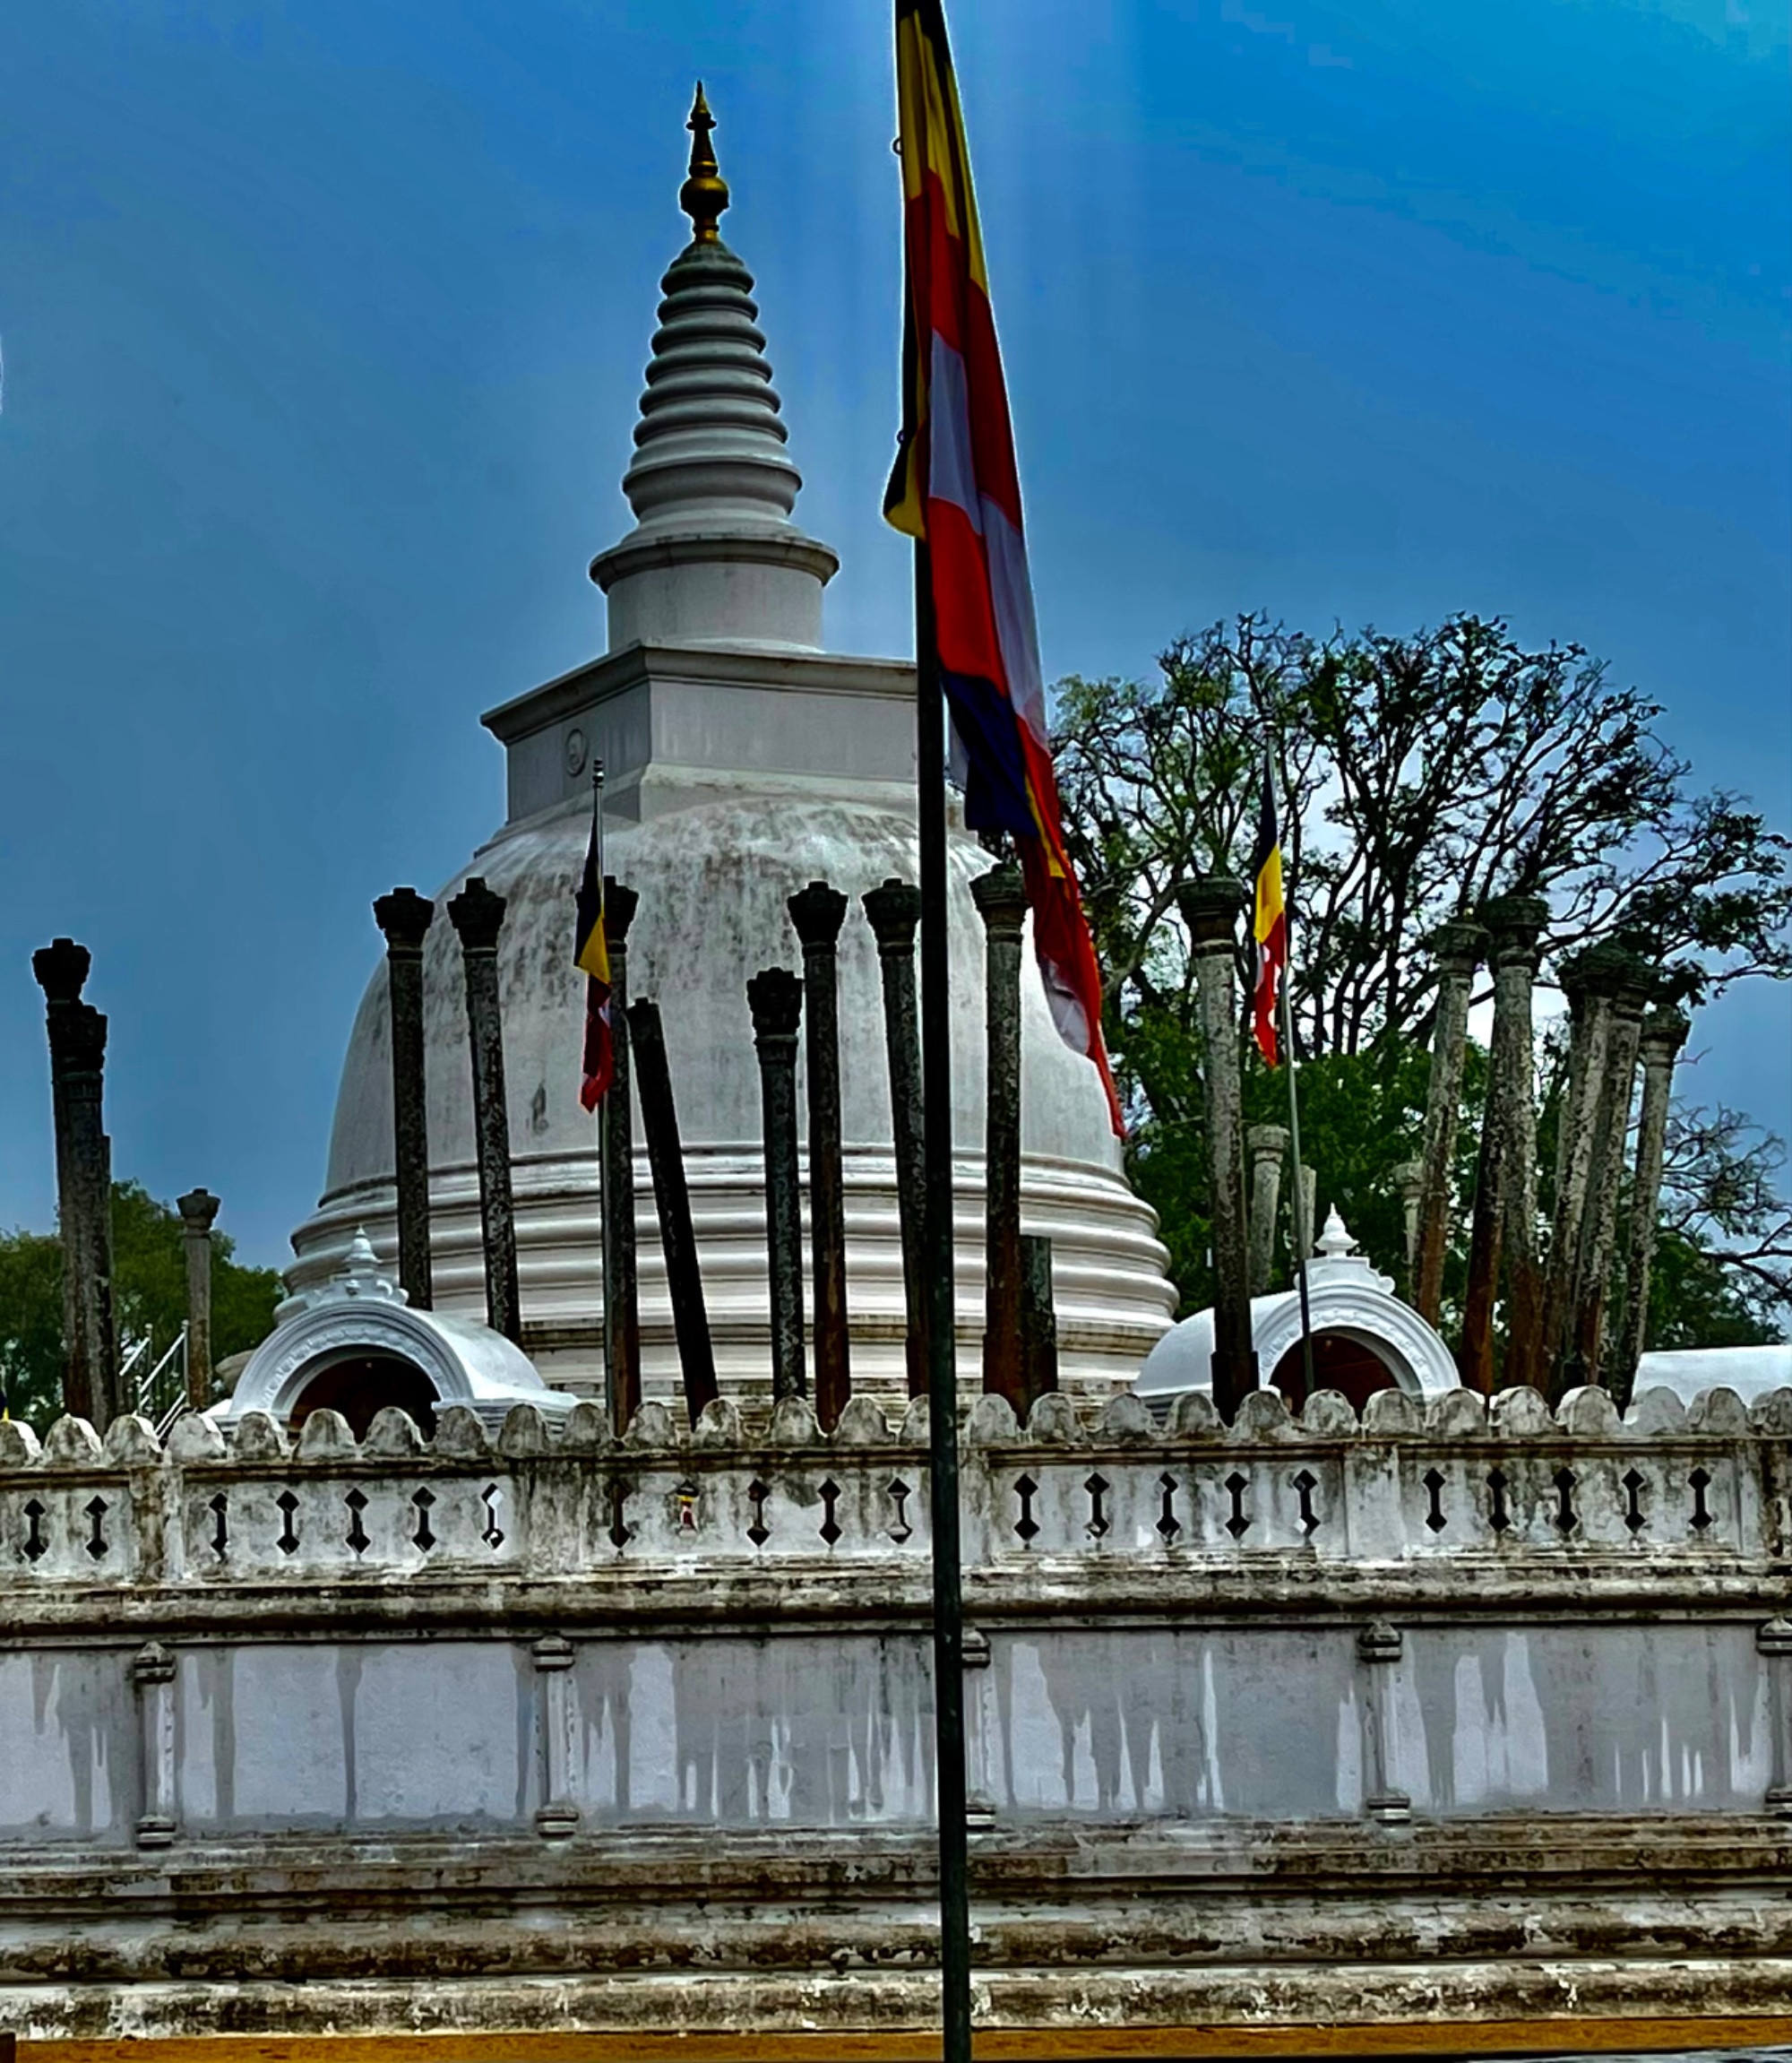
x,y
1038,1321
404,917
1409,1180
556,1818
672,1202
198,1213
1504,1225
894,910
1457,948
622,1299
1665,1032
1000,899
1309,1212
1211,905
1381,1648
77,1039
1267,1147
1584,1361
1590,981
477,915
818,912
775,997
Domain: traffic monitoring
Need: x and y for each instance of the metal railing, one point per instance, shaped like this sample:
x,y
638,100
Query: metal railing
x,y
161,1389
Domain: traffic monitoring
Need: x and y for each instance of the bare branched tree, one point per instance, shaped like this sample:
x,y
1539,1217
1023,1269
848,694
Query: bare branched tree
x,y
1418,778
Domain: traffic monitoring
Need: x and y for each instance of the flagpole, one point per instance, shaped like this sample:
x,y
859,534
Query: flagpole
x,y
940,1343
611,1376
1303,1231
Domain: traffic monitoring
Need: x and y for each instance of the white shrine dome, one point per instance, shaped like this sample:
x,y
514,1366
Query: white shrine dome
x,y
742,762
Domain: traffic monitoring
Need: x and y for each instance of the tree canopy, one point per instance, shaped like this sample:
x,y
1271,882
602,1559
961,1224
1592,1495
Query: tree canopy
x,y
1418,777
149,1294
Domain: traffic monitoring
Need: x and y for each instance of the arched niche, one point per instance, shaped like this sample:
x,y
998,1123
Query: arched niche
x,y
355,1345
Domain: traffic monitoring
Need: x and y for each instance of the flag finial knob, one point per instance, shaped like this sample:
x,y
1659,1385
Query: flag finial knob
x,y
704,194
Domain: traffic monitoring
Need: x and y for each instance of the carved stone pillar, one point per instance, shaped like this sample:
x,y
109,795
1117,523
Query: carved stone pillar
x,y
1457,947
894,910
1590,981
1504,1224
818,912
1211,905
405,917
622,1298
1038,1321
198,1213
477,915
1409,1180
1584,1361
775,997
77,1042
672,1202
1267,1147
1000,899
1665,1031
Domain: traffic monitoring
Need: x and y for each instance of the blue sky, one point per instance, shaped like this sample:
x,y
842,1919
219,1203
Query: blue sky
x,y
323,322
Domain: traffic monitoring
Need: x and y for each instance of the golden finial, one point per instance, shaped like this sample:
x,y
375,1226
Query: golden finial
x,y
704,194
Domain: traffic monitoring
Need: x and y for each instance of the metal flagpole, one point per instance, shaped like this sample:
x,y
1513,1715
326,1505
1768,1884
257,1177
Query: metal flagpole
x,y
942,1358
1303,1231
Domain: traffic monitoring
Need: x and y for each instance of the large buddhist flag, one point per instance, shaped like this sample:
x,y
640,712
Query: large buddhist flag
x,y
590,955
956,490
1269,922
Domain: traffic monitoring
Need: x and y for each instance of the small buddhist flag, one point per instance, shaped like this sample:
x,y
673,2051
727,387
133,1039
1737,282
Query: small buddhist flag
x,y
1268,923
590,955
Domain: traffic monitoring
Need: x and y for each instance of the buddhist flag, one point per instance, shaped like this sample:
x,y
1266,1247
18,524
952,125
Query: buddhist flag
x,y
955,489
1269,922
590,955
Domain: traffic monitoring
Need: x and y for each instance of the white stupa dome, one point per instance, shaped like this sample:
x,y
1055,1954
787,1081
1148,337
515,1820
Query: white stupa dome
x,y
742,762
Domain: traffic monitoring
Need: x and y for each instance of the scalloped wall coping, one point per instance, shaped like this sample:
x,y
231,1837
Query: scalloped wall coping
x,y
1453,1416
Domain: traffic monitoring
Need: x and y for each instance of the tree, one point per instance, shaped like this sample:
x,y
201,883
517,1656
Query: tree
x,y
148,1289
1418,778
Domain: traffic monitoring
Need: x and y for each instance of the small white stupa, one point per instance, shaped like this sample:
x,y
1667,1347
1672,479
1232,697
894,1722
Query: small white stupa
x,y
742,762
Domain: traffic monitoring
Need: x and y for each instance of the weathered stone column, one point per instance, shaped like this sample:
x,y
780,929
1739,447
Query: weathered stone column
x,y
1309,1212
1267,1147
1665,1031
404,917
775,997
1590,981
818,911
1000,899
1409,1180
622,1298
672,1204
1211,905
1457,948
894,910
62,969
1038,1321
1505,1226
1583,1363
477,915
77,1042
198,1213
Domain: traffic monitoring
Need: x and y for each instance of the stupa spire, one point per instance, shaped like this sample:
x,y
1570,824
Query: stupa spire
x,y
713,557
704,194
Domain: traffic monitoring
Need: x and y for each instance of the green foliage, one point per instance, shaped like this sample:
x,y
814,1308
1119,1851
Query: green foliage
x,y
1694,1302
1419,777
149,1291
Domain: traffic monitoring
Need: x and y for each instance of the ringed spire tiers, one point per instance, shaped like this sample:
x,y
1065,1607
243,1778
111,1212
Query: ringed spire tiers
x,y
713,557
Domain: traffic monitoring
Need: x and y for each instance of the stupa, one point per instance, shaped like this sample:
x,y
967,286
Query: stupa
x,y
742,760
